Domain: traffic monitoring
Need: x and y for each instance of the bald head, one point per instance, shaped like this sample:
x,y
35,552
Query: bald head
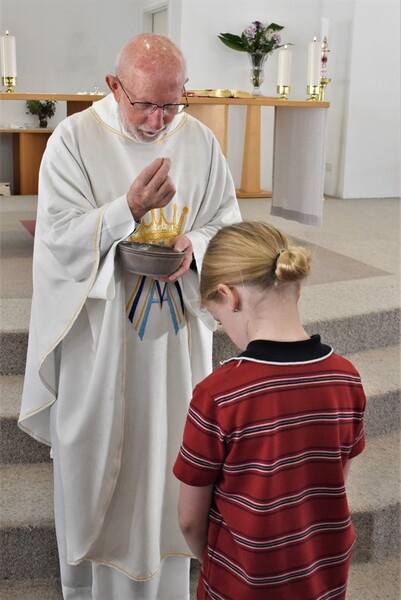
x,y
150,54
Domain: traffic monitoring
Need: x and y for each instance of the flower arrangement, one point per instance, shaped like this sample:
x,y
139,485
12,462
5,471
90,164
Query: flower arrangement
x,y
256,38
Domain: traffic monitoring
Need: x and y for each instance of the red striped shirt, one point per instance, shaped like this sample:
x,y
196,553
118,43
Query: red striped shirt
x,y
274,436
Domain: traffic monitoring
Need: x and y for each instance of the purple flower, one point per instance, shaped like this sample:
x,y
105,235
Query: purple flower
x,y
250,31
257,37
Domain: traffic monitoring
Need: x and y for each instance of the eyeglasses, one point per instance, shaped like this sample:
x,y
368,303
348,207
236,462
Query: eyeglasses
x,y
148,108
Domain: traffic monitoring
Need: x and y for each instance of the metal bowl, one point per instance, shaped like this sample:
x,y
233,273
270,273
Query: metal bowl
x,y
149,259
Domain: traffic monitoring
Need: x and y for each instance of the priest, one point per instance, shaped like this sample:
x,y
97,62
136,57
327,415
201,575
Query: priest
x,y
113,356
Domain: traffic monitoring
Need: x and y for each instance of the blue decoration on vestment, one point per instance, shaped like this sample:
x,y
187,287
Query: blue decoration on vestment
x,y
156,295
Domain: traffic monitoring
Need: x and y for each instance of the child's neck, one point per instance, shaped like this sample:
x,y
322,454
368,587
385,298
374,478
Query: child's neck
x,y
277,322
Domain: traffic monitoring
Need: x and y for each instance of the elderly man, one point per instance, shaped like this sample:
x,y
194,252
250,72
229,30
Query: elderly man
x,y
113,356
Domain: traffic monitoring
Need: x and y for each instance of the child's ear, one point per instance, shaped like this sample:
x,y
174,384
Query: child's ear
x,y
229,295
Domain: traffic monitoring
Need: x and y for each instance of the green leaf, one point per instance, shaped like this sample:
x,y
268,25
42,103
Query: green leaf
x,y
231,37
275,27
232,41
245,42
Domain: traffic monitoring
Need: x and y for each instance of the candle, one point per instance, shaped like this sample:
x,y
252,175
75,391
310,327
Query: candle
x,y
8,57
314,63
324,29
284,67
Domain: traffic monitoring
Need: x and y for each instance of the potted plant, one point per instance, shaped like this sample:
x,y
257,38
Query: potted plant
x,y
45,109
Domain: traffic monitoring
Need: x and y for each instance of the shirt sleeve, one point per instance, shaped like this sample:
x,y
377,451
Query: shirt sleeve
x,y
202,451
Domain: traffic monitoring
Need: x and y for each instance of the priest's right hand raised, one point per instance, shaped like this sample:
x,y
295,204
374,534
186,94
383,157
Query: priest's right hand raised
x,y
152,188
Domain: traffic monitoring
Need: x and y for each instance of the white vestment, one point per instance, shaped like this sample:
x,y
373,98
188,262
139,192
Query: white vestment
x,y
119,352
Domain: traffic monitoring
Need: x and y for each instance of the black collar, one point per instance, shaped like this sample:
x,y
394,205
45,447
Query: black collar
x,y
286,352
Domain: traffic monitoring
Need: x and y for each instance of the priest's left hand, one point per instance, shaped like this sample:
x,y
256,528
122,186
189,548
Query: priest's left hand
x,y
180,244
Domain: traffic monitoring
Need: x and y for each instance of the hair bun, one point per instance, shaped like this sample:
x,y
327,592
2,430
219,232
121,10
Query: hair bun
x,y
292,264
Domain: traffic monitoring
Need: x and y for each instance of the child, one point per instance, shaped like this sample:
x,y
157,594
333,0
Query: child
x,y
269,435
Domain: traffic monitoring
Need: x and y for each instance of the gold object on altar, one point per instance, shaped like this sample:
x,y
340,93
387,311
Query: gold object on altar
x,y
313,91
9,83
219,93
283,90
324,81
159,231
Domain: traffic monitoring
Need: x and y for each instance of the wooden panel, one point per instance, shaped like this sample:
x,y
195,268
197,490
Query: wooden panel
x,y
215,117
77,106
250,179
28,150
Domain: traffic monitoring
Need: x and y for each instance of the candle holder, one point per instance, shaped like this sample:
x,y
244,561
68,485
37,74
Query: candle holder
x,y
324,81
9,83
313,92
283,90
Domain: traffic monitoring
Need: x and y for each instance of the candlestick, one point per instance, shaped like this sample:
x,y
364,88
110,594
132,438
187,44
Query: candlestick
x,y
9,83
283,90
313,91
8,57
284,67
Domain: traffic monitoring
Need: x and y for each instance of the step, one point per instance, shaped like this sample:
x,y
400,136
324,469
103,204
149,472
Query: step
x,y
27,535
27,527
373,489
15,445
379,369
347,334
31,589
375,580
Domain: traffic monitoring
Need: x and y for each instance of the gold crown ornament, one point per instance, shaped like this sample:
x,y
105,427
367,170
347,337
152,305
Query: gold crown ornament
x,y
159,231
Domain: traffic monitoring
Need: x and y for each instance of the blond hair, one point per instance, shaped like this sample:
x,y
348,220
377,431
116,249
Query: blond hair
x,y
251,253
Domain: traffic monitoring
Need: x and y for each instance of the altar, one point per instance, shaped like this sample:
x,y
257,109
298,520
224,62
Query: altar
x,y
298,147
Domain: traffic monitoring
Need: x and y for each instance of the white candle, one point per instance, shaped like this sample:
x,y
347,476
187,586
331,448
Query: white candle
x,y
284,67
314,62
324,29
8,56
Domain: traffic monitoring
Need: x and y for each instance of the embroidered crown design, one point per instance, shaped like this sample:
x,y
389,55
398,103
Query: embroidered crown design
x,y
160,231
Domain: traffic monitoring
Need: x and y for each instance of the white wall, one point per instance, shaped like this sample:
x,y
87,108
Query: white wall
x,y
363,132
69,45
63,46
371,160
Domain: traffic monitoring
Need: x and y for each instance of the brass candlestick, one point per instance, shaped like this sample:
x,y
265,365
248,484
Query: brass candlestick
x,y
313,91
324,81
9,83
283,90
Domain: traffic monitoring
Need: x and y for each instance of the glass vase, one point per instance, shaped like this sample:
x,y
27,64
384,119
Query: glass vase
x,y
257,61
